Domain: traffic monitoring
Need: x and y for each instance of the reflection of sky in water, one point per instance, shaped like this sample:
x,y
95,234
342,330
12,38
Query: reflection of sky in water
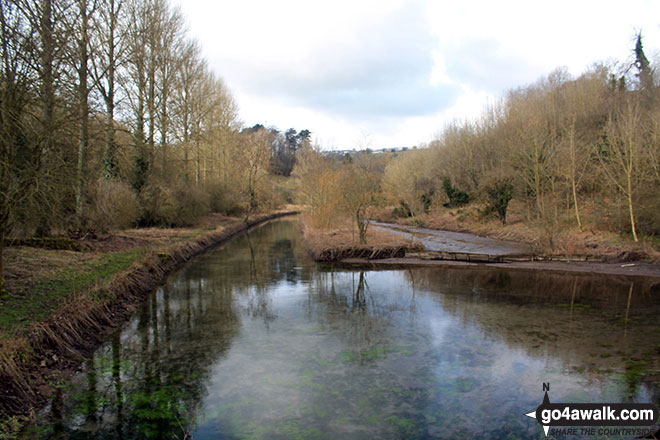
x,y
430,361
253,341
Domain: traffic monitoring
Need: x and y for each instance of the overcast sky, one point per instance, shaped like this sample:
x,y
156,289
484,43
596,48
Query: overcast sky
x,y
391,73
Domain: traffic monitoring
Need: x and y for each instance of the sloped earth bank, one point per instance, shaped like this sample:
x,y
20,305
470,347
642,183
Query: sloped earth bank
x,y
33,367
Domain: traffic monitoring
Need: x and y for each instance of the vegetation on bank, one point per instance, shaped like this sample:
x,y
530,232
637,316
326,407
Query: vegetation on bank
x,y
111,118
569,164
340,241
63,303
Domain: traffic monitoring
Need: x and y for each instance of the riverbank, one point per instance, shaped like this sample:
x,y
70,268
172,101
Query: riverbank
x,y
432,247
62,304
626,270
340,242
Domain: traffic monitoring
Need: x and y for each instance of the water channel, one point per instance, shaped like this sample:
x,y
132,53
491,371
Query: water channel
x,y
254,340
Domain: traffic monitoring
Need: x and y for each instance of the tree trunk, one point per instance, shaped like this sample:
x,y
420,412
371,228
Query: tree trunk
x,y
575,204
143,159
362,228
163,148
630,207
110,154
198,167
186,174
83,142
47,110
537,184
151,103
3,290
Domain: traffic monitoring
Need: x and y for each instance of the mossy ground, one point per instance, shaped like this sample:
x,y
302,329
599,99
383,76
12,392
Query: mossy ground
x,y
46,294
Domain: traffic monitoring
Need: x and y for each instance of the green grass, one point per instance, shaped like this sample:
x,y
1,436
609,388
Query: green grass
x,y
47,295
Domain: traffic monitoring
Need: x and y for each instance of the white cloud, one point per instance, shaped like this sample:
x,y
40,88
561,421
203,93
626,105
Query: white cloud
x,y
399,70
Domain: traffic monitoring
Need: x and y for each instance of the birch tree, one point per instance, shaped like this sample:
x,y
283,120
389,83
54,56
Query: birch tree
x,y
621,154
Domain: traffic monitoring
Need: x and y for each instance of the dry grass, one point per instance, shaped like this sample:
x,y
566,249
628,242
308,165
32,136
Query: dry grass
x,y
343,236
25,267
129,239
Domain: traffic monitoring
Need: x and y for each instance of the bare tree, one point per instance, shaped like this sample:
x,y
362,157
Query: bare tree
x,y
253,159
168,62
48,27
620,156
19,151
136,86
358,191
110,30
189,98
83,89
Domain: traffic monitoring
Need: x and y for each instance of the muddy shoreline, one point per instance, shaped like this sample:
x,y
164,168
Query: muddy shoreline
x,y
55,348
466,249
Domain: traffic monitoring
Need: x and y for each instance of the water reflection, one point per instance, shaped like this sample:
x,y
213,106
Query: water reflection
x,y
254,341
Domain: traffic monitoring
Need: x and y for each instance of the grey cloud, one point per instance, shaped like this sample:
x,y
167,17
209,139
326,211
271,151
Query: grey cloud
x,y
385,72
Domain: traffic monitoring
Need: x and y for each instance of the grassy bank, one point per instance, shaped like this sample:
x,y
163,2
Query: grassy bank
x,y
340,241
557,239
62,304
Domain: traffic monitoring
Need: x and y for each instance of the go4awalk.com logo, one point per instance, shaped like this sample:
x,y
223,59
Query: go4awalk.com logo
x,y
627,418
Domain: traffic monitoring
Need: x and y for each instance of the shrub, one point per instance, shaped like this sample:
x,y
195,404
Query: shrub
x,y
179,206
159,205
457,197
222,199
114,205
268,195
402,211
499,196
192,202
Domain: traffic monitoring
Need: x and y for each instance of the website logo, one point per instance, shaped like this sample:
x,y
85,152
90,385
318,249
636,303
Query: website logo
x,y
589,415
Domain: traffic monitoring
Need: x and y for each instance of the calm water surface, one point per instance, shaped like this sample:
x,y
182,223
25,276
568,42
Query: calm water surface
x,y
255,341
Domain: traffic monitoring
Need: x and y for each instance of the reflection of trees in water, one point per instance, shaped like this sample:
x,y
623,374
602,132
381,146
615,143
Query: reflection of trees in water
x,y
266,255
589,322
524,287
258,260
143,382
344,302
147,381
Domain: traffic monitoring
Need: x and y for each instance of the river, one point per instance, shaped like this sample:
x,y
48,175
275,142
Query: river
x,y
254,340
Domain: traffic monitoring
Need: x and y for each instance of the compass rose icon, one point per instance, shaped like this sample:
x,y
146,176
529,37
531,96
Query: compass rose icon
x,y
537,413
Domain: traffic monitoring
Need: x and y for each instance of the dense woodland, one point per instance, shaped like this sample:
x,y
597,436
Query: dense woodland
x,y
110,117
570,152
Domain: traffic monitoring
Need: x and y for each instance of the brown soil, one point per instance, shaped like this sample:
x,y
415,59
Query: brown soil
x,y
31,365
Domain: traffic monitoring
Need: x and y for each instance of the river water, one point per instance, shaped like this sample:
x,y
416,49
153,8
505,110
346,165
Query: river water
x,y
253,340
